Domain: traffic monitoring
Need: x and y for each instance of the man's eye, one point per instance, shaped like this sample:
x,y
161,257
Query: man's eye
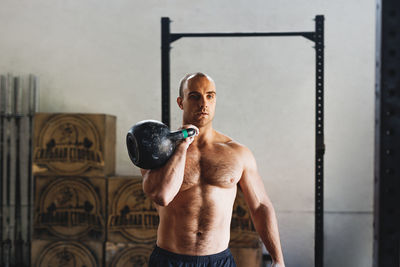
x,y
194,96
210,96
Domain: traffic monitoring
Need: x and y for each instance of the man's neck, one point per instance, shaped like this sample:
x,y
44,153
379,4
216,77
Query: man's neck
x,y
206,134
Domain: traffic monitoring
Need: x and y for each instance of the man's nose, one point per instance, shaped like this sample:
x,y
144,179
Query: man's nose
x,y
203,101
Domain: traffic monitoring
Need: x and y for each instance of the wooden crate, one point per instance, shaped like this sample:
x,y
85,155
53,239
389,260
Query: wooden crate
x,y
132,215
245,243
243,233
74,144
70,208
67,253
246,257
128,254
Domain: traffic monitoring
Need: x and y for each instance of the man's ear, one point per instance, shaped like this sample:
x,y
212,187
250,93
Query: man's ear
x,y
179,100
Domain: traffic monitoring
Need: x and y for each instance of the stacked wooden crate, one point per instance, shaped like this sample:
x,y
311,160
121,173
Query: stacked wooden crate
x,y
74,154
245,243
132,223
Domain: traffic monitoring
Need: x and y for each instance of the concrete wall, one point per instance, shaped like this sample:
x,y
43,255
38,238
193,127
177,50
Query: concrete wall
x,y
104,57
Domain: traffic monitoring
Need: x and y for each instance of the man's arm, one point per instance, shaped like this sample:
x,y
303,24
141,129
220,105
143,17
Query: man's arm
x,y
261,209
162,184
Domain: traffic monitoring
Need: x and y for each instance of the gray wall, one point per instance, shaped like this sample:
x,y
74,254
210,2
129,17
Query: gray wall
x,y
104,57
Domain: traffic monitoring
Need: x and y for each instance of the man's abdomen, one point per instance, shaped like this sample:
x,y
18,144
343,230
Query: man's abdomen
x,y
197,221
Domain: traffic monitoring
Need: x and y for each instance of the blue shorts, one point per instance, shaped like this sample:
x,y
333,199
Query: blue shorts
x,y
164,258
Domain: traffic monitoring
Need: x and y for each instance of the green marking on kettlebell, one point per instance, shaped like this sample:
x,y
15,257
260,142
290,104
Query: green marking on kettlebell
x,y
185,133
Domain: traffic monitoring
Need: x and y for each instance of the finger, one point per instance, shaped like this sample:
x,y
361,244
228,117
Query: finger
x,y
194,127
186,126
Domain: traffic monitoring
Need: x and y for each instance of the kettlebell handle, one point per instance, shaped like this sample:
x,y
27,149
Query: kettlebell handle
x,y
182,134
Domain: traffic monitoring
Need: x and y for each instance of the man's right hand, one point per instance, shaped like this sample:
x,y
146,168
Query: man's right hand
x,y
187,141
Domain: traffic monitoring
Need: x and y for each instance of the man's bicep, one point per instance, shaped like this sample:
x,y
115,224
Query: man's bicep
x,y
253,190
252,185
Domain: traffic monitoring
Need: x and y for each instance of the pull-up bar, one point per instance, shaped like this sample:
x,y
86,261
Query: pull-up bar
x,y
317,37
176,36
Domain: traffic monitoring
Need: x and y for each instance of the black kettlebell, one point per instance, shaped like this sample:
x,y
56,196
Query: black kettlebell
x,y
150,143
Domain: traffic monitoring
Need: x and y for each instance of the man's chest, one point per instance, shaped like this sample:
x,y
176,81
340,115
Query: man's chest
x,y
218,167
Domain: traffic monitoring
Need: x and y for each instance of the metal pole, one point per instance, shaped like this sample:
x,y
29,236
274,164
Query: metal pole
x,y
2,114
319,142
18,241
33,102
176,36
386,222
165,71
9,115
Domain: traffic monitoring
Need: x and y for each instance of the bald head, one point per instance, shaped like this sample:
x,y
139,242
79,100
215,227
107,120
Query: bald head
x,y
197,99
187,77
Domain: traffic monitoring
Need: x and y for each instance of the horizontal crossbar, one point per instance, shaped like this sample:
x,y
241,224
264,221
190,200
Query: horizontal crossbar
x,y
307,35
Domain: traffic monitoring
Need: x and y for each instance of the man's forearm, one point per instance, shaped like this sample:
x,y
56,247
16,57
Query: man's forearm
x,y
164,183
266,224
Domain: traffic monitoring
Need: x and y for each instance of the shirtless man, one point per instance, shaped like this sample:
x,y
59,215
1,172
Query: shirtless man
x,y
195,191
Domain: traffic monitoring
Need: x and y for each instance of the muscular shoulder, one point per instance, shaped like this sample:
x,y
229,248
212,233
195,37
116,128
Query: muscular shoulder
x,y
226,140
245,155
243,152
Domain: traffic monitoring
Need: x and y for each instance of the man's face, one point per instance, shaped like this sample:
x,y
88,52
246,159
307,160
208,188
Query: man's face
x,y
198,103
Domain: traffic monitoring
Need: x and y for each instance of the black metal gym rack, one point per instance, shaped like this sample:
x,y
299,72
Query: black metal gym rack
x,y
387,141
317,37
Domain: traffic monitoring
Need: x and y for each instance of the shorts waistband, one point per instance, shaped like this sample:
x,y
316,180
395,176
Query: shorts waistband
x,y
190,258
